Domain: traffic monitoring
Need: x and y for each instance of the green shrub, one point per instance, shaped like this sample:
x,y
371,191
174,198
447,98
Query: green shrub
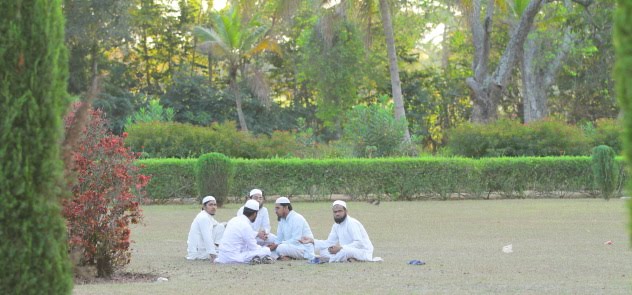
x,y
374,131
511,138
178,140
215,172
608,132
604,170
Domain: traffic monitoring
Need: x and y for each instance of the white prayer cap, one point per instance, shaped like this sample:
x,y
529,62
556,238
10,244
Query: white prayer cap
x,y
255,191
207,198
282,200
339,202
252,204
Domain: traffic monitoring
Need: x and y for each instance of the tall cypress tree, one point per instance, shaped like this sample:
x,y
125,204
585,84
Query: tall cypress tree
x,y
33,74
623,75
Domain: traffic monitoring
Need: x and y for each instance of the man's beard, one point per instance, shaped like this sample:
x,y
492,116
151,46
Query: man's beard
x,y
341,219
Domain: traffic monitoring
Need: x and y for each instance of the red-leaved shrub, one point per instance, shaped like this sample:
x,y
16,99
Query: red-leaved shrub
x,y
104,194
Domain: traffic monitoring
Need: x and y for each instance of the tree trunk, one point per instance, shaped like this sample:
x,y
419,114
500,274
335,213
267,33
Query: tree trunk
x,y
400,112
487,88
538,79
234,88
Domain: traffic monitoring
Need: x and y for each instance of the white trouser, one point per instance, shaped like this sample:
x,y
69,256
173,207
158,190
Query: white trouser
x,y
200,252
293,251
346,253
243,257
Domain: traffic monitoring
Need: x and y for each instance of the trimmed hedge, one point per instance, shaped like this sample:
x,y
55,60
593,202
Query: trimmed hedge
x,y
170,178
399,178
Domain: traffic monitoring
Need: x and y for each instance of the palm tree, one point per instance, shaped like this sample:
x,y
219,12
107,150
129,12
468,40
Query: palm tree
x,y
236,43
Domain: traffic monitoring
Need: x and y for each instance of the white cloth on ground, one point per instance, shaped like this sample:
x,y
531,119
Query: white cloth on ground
x,y
204,234
352,237
238,243
289,231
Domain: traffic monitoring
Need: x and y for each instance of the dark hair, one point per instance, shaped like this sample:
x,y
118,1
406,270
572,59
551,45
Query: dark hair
x,y
288,205
249,212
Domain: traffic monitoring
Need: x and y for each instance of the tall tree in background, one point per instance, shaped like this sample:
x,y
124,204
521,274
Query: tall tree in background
x,y
237,42
92,28
544,51
33,73
396,84
487,87
623,74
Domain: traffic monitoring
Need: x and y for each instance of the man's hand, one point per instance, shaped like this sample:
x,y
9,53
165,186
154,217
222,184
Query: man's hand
x,y
273,246
306,240
212,257
262,235
334,249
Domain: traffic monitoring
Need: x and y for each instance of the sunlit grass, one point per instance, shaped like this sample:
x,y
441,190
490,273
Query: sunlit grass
x,y
558,249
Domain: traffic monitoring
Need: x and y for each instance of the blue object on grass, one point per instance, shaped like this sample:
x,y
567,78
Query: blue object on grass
x,y
416,262
315,260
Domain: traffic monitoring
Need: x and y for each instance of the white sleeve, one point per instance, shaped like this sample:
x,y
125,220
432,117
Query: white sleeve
x,y
206,229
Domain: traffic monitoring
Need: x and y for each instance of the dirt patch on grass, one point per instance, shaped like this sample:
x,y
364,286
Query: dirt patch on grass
x,y
119,278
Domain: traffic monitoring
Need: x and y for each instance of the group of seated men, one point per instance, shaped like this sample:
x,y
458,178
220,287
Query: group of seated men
x,y
247,237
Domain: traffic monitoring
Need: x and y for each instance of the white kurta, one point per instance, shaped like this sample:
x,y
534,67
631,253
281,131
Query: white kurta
x,y
205,232
289,231
238,243
351,235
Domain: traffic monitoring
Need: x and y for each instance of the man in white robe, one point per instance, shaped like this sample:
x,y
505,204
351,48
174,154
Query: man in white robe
x,y
205,233
348,240
262,223
292,226
238,243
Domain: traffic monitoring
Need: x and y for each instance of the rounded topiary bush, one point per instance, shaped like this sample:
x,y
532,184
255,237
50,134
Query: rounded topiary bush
x,y
604,171
215,172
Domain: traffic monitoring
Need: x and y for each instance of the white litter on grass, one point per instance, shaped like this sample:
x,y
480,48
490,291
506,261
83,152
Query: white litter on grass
x,y
508,248
161,279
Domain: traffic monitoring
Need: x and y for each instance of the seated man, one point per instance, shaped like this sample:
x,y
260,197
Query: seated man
x,y
239,244
262,223
205,233
347,241
292,226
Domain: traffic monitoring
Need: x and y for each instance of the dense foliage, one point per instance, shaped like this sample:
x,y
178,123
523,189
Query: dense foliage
x,y
33,75
540,138
178,140
104,198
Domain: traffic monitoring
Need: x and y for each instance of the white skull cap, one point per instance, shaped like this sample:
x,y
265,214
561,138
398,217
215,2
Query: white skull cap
x,y
254,192
208,198
252,204
283,200
340,202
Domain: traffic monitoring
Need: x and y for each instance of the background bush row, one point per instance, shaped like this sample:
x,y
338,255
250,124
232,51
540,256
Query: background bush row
x,y
388,178
542,138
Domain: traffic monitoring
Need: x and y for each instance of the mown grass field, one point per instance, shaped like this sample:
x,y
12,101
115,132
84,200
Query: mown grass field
x,y
558,248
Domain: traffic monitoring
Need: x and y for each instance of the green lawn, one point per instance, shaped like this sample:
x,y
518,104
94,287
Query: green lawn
x,y
558,248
